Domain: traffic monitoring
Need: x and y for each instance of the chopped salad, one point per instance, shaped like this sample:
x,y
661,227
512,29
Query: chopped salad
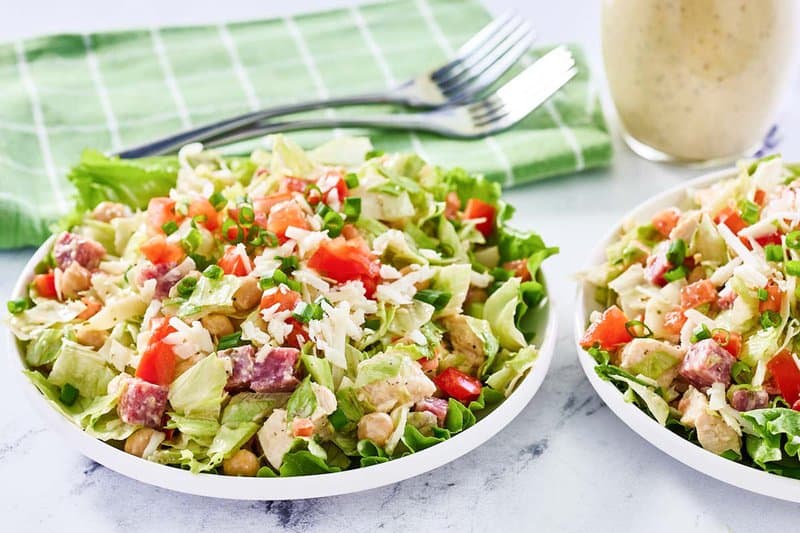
x,y
700,324
280,314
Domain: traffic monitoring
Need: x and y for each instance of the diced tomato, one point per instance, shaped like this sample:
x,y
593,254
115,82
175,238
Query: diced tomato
x,y
284,215
428,365
265,204
479,209
350,232
344,260
45,285
332,181
158,360
298,336
203,208
285,298
698,293
664,221
452,204
302,427
292,184
609,332
520,268
786,374
730,340
674,321
458,385
759,196
92,307
160,211
772,238
731,218
774,298
796,406
235,262
158,250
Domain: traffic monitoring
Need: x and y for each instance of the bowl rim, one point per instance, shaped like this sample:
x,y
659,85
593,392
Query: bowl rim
x,y
708,463
284,488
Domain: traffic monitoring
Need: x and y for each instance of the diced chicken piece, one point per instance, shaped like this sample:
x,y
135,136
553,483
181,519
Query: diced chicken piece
x,y
273,371
241,366
108,211
707,363
657,265
411,385
71,248
466,343
326,401
435,406
726,298
275,437
712,432
747,400
377,427
686,227
653,358
142,403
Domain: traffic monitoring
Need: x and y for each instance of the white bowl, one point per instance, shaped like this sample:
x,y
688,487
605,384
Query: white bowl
x,y
291,487
708,463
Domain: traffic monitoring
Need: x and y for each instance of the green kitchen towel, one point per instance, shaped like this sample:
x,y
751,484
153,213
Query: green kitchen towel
x,y
63,93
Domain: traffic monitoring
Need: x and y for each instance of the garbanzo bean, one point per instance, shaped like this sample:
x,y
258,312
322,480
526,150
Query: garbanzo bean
x,y
218,325
91,337
241,463
248,295
137,442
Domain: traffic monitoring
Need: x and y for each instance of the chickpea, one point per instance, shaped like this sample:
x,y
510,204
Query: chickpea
x,y
108,211
218,325
74,279
248,295
476,294
376,427
241,463
91,337
185,364
137,442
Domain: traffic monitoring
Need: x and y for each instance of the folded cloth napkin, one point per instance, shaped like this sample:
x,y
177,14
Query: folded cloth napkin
x,y
64,93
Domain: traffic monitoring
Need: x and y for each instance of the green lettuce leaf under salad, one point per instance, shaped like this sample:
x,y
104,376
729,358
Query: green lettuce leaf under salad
x,y
699,324
287,313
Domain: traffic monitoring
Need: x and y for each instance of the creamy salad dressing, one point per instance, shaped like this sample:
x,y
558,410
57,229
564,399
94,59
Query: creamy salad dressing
x,y
698,79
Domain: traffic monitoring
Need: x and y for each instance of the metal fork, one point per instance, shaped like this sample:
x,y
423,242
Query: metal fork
x,y
475,66
499,111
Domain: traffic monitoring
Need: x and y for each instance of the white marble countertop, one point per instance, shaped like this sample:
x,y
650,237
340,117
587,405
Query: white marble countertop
x,y
565,464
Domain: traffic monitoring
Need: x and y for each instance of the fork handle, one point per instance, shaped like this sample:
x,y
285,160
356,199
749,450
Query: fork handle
x,y
172,143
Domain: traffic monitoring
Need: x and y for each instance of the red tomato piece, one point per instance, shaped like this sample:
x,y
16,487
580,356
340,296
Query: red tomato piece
x,y
332,181
158,250
731,218
158,360
759,196
298,336
452,205
302,427
203,208
479,209
786,374
609,332
160,211
92,307
285,298
458,385
772,238
519,267
664,221
698,293
292,184
343,260
234,262
774,298
265,204
730,340
284,215
45,285
674,321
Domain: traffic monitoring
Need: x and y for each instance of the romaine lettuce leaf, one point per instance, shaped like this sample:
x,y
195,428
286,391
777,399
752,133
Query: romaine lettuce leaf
x,y
500,310
512,370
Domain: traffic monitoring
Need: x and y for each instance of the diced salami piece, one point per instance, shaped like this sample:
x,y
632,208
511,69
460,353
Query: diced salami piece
x,y
142,403
747,400
71,248
166,276
436,406
241,368
707,363
657,265
274,372
726,298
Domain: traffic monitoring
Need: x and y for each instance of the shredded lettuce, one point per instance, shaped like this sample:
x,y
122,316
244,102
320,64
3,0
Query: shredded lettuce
x,y
199,391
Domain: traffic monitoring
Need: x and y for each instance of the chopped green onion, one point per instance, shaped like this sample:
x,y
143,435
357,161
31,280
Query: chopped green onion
x,y
323,209
763,294
288,264
793,268
351,180
677,273
373,323
217,200
352,208
246,215
372,153
279,276
648,234
774,252
303,312
500,274
338,419
185,287
227,226
700,334
793,240
676,252
437,299
741,373
638,329
170,227
312,187
200,261
230,341
192,241
270,239
68,394
15,307
333,222
213,272
750,211
722,336
770,319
